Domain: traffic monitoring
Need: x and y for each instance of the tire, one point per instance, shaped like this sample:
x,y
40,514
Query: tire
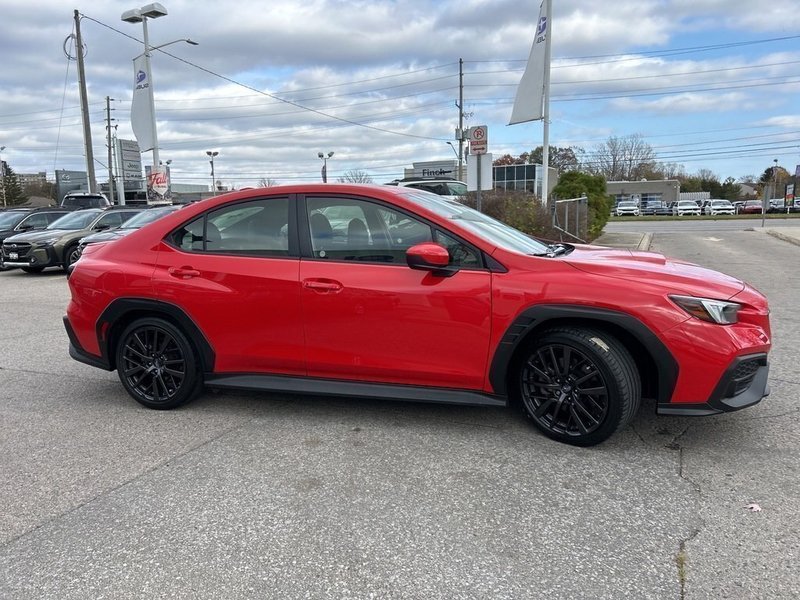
x,y
157,364
578,386
71,255
32,269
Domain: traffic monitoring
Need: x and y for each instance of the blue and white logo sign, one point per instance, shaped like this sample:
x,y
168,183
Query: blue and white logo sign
x,y
542,26
140,77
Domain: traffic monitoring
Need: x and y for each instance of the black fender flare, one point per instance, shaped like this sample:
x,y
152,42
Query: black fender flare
x,y
119,311
540,315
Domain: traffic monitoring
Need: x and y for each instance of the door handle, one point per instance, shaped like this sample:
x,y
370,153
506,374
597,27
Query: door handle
x,y
323,286
183,272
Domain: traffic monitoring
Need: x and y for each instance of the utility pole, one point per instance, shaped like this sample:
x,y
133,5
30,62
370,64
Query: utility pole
x,y
460,119
111,181
87,129
3,176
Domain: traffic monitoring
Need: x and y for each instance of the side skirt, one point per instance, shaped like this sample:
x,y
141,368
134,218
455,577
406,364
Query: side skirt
x,y
334,387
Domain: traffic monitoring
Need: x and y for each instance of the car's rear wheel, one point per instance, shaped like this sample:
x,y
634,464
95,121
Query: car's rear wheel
x,y
157,364
578,386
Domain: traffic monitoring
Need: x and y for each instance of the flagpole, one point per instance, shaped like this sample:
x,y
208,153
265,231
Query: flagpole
x,y
546,105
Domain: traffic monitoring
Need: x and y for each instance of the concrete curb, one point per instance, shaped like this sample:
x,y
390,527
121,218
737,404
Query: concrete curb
x,y
781,236
644,243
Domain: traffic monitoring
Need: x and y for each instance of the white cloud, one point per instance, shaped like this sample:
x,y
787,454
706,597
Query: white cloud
x,y
391,65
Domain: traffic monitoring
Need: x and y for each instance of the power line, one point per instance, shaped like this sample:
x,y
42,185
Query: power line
x,y
670,52
293,103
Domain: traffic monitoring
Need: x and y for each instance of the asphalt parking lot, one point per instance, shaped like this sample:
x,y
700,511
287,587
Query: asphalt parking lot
x,y
272,496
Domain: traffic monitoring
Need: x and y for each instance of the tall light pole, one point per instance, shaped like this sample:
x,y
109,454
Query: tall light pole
x,y
140,15
212,154
775,178
3,176
325,165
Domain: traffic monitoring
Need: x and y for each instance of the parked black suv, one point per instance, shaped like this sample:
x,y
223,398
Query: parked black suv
x,y
56,246
78,200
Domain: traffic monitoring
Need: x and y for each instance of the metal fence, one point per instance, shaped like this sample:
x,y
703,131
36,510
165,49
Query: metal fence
x,y
571,218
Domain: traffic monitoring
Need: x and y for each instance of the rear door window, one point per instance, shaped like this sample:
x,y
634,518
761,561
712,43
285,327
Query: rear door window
x,y
254,228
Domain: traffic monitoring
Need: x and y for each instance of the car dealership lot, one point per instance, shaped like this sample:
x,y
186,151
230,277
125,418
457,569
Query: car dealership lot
x,y
245,495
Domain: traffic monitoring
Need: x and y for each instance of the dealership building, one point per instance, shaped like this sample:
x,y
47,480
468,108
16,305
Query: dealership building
x,y
526,178
644,191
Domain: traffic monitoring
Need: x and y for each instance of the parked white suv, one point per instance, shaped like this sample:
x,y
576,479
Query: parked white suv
x,y
686,207
719,207
79,200
627,207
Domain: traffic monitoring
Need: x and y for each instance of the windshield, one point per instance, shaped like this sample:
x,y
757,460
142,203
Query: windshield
x,y
76,220
9,220
457,188
489,229
147,216
627,204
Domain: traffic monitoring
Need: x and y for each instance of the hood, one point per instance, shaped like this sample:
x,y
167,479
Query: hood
x,y
656,269
106,236
32,237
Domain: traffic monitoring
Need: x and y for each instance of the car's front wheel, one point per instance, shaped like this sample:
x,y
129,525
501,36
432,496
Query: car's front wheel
x,y
157,364
578,386
71,255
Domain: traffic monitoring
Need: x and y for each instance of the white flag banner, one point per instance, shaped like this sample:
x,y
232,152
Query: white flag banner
x,y
141,105
529,102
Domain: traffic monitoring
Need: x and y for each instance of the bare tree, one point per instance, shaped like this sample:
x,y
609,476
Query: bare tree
x,y
268,182
671,170
707,175
355,176
626,158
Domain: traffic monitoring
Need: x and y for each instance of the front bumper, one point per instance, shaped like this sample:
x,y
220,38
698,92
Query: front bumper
x,y
38,257
743,384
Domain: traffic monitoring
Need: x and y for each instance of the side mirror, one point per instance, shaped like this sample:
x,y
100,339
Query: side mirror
x,y
24,227
430,257
102,227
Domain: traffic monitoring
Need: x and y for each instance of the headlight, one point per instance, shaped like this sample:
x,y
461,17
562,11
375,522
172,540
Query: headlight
x,y
46,243
707,309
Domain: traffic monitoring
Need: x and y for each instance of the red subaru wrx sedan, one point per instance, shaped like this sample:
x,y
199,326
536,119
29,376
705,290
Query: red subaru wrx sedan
x,y
395,293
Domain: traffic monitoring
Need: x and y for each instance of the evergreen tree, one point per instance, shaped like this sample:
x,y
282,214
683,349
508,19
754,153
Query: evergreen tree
x,y
574,184
13,195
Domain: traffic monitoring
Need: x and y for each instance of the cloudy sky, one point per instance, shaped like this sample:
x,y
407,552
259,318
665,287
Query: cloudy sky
x,y
709,84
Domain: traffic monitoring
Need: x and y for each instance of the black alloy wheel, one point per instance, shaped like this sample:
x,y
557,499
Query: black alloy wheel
x,y
578,386
157,365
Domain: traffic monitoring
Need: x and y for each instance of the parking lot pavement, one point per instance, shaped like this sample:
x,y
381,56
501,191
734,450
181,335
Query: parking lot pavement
x,y
258,495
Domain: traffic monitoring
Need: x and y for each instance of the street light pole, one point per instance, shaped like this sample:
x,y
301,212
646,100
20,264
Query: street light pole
x,y
324,165
140,15
212,154
775,178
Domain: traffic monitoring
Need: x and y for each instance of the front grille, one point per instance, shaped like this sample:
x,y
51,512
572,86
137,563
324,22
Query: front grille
x,y
743,376
20,248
